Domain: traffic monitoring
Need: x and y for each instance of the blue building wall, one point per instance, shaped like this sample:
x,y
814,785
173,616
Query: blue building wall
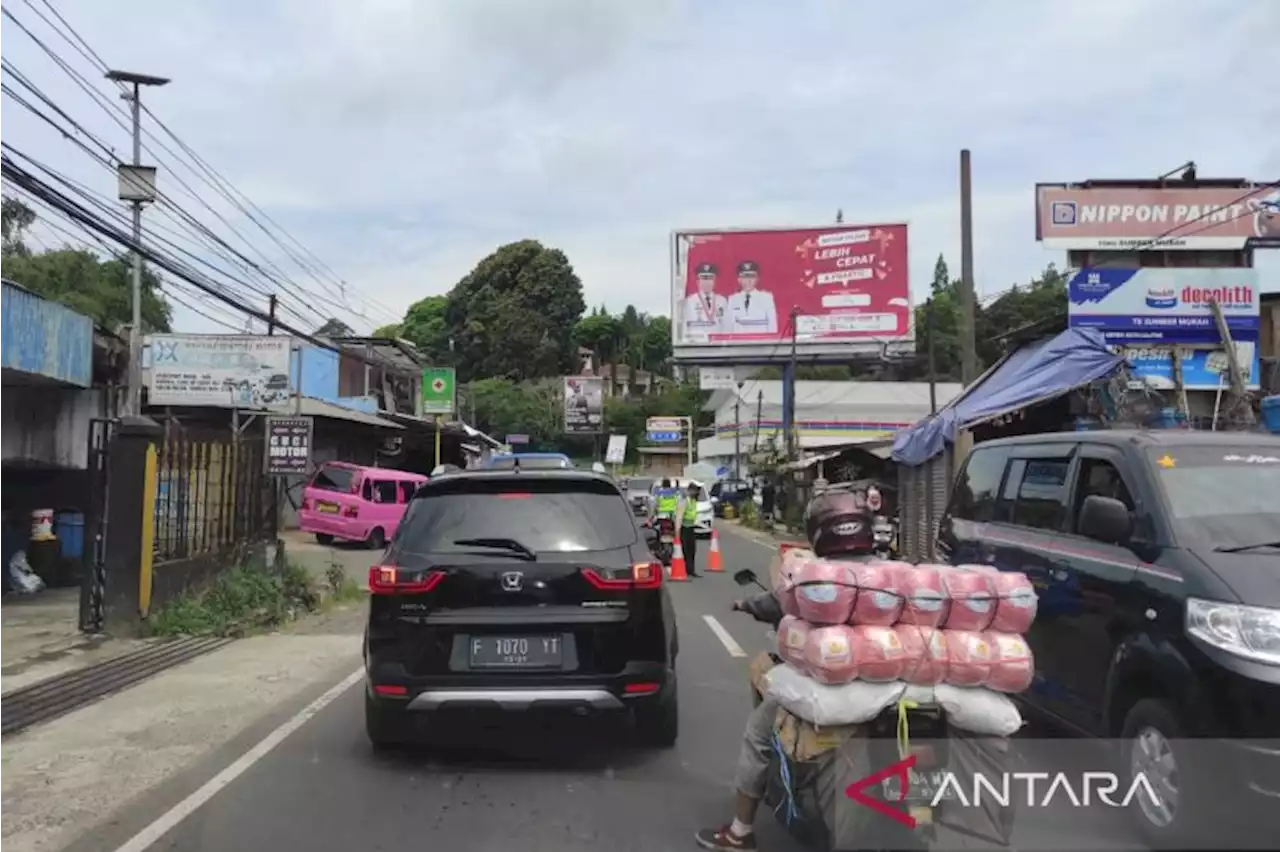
x,y
320,379
46,339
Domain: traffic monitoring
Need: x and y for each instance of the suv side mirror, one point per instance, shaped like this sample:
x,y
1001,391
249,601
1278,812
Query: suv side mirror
x,y
1105,519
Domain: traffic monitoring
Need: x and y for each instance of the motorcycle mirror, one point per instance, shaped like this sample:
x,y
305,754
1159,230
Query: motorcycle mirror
x,y
650,534
745,577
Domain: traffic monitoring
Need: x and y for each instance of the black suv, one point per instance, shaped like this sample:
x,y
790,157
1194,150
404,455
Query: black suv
x,y
1156,556
519,590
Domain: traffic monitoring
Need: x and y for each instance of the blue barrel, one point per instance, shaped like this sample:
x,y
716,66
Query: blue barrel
x,y
69,528
1271,414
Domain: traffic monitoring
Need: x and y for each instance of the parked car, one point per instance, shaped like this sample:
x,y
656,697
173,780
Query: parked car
x,y
729,492
519,590
354,503
1156,556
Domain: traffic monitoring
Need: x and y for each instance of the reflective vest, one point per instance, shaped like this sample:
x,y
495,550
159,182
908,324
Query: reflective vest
x,y
667,503
690,511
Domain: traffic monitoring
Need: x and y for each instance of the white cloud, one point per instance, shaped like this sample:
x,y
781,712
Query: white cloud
x,y
402,140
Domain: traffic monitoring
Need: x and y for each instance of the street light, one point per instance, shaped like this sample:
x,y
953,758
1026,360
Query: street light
x,y
136,186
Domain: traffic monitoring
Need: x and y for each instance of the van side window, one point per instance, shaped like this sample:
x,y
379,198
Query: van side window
x,y
1042,494
974,497
330,478
384,491
1101,478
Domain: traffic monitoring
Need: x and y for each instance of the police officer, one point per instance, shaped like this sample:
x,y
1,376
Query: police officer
x,y
704,312
689,528
751,311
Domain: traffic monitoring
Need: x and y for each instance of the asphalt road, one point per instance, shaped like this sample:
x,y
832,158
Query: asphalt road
x,y
321,789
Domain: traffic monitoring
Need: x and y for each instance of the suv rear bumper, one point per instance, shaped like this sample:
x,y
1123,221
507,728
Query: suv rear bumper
x,y
638,684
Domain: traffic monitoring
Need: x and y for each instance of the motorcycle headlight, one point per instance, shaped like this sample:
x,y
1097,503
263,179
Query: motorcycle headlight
x,y
1252,632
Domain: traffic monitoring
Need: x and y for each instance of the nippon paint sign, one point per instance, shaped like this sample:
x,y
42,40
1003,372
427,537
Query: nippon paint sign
x,y
1157,218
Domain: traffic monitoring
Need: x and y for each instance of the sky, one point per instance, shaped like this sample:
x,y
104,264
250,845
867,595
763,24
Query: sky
x,y
401,141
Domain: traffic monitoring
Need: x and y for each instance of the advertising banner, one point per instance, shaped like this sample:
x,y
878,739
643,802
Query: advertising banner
x,y
738,287
226,371
583,405
664,430
617,450
1168,218
1155,305
438,385
289,443
717,378
1202,369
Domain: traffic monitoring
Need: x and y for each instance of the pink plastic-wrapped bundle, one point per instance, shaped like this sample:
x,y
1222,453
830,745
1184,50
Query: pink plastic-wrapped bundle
x,y
878,602
830,654
924,601
825,591
879,653
972,599
968,658
1012,664
924,651
784,591
1016,602
793,634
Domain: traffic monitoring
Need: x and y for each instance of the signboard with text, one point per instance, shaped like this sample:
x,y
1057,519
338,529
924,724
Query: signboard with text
x,y
1159,305
583,405
438,384
289,445
224,371
1202,369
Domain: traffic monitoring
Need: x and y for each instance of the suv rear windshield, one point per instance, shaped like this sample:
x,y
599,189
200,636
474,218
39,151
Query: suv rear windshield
x,y
1224,496
333,478
530,463
544,515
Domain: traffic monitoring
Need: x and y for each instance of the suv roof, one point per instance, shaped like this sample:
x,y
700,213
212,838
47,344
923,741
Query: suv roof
x,y
523,474
1140,438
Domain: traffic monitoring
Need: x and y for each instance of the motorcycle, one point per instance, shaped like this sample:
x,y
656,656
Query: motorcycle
x,y
664,542
787,779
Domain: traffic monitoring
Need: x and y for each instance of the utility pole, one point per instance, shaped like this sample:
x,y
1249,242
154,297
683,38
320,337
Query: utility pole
x,y
737,432
137,186
968,311
840,216
271,315
933,362
755,446
789,391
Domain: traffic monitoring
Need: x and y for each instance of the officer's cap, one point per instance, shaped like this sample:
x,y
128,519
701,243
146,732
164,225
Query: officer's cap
x,y
748,267
707,269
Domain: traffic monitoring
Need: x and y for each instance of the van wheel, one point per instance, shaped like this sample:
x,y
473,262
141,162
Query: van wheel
x,y
324,538
377,539
384,727
1151,735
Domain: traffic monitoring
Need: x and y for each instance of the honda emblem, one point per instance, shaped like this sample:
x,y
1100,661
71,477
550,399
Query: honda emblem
x,y
512,581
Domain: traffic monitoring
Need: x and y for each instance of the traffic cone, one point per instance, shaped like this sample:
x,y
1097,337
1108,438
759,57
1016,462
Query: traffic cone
x,y
714,564
677,564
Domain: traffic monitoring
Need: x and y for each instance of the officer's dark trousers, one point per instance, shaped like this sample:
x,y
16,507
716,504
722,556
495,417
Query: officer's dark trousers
x,y
689,544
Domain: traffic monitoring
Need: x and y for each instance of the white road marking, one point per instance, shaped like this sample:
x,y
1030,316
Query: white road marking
x,y
174,816
730,644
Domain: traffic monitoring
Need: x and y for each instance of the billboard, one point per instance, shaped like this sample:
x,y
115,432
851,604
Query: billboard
x,y
1202,369
583,405
1159,305
226,371
1157,218
737,288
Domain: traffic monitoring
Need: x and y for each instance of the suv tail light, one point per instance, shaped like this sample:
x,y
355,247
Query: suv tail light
x,y
643,575
390,580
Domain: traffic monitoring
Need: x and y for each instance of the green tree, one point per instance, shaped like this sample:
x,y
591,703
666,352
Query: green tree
x,y
426,328
503,407
101,290
513,316
15,218
390,331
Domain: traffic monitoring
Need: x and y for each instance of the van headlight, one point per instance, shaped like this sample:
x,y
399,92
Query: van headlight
x,y
1252,632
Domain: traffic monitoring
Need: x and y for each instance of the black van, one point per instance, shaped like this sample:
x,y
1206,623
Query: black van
x,y
1156,556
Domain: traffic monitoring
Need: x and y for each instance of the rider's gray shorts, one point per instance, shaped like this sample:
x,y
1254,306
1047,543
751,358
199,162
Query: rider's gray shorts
x,y
757,747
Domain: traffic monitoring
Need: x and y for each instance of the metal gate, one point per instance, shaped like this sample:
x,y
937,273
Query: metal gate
x,y
94,576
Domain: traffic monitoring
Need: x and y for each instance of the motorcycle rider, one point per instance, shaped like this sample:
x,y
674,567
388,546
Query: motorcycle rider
x,y
666,500
753,759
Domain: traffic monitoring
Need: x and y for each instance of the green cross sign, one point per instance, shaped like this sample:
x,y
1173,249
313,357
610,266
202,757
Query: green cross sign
x,y
437,390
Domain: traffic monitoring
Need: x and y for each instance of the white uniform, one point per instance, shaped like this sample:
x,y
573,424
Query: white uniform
x,y
752,313
704,315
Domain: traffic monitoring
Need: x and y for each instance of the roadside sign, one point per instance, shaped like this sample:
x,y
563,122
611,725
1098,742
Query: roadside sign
x,y
617,450
664,424
289,443
438,390
663,437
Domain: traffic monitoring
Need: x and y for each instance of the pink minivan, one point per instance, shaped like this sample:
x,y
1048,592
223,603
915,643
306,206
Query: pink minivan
x,y
354,503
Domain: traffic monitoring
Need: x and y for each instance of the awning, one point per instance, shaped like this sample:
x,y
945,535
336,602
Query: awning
x,y
1032,374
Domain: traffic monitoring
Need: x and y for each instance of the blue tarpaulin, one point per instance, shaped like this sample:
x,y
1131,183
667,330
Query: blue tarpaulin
x,y
1033,373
